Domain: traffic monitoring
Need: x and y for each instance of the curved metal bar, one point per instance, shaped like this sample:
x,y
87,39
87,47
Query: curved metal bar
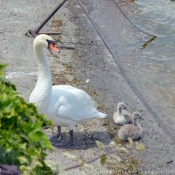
x,y
47,19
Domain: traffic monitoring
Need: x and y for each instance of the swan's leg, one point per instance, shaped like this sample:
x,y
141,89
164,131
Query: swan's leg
x,y
71,136
58,136
64,144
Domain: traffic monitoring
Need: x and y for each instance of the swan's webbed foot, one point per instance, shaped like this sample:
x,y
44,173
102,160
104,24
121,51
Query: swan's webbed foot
x,y
56,137
62,143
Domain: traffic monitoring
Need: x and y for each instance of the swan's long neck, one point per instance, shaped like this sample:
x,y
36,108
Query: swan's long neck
x,y
43,90
44,75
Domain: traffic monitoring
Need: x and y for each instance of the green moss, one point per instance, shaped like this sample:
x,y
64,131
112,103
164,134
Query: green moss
x,y
126,166
68,67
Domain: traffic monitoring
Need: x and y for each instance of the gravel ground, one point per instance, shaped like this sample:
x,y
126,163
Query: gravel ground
x,y
89,61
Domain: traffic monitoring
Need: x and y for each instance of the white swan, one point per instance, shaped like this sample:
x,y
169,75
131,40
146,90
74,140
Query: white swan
x,y
134,131
122,116
65,105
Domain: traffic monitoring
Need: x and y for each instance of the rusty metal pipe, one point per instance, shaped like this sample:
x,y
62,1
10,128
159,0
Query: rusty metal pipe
x,y
66,47
50,33
47,19
33,33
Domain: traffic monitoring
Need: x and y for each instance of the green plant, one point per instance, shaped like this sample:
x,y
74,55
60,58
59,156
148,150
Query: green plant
x,y
127,165
22,141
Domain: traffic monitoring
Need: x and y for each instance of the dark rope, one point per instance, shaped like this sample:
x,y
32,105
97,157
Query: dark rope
x,y
131,21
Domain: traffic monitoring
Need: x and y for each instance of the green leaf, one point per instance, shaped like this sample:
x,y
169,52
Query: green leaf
x,y
23,146
72,156
103,160
2,66
37,164
53,165
46,143
130,142
23,160
38,126
27,128
36,136
100,144
140,146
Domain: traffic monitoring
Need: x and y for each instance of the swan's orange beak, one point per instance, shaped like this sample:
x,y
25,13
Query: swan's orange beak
x,y
52,48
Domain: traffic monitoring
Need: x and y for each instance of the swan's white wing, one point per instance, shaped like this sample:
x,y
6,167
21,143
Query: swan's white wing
x,y
73,104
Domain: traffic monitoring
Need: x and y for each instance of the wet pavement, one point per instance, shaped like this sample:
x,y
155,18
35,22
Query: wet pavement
x,y
140,78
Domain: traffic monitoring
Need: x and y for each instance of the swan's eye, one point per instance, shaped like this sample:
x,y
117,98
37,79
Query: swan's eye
x,y
51,41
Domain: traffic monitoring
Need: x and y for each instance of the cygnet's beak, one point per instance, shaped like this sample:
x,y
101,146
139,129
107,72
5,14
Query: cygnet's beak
x,y
52,48
141,118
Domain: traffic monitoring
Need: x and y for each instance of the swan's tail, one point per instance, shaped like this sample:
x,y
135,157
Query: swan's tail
x,y
94,113
102,115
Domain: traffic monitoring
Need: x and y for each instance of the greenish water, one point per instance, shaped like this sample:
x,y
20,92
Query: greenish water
x,y
157,18
157,63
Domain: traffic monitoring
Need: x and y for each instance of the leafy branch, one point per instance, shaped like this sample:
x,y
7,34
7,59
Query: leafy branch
x,y
133,146
22,141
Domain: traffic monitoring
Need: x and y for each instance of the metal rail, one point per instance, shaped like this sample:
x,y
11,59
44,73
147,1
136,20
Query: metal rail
x,y
35,32
127,79
50,16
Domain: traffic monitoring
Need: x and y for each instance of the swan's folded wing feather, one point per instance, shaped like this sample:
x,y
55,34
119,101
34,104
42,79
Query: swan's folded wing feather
x,y
73,104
